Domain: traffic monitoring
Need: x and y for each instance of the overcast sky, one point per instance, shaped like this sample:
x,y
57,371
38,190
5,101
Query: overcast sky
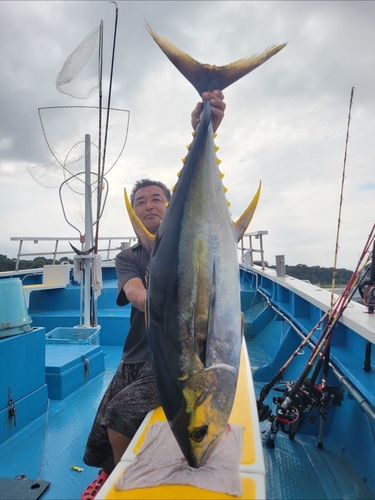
x,y
285,122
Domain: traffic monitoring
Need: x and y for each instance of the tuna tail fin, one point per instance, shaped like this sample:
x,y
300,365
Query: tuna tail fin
x,y
241,225
205,77
144,236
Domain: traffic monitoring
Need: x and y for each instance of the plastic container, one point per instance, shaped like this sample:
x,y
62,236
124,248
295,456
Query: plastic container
x,y
74,335
13,311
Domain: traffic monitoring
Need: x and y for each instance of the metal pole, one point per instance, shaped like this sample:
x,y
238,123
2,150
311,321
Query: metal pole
x,y
88,231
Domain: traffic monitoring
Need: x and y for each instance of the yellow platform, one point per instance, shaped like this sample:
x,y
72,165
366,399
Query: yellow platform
x,y
252,468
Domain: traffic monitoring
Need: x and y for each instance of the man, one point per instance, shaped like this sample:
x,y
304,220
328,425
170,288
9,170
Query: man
x,y
132,392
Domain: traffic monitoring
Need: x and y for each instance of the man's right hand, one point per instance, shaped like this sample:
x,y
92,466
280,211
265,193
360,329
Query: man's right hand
x,y
218,105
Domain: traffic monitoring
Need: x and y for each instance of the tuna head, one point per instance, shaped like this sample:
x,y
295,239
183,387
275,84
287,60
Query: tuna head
x,y
208,400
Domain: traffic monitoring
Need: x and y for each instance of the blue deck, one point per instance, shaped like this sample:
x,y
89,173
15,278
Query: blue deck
x,y
48,449
296,469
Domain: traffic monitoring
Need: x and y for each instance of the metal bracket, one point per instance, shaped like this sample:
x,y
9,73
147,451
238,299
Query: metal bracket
x,y
12,407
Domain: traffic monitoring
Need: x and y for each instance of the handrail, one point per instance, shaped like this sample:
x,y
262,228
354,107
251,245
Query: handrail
x,y
126,241
247,256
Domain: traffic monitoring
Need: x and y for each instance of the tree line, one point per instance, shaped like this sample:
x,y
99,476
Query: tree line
x,y
315,274
7,264
318,275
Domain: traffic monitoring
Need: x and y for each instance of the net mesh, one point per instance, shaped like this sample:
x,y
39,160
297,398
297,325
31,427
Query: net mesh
x,y
64,129
79,77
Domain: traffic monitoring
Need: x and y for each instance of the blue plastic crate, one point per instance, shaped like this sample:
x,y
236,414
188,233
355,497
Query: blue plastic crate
x,y
74,335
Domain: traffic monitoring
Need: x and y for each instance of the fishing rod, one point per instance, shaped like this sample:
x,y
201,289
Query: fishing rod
x,y
325,358
341,199
338,310
101,171
301,396
101,164
264,410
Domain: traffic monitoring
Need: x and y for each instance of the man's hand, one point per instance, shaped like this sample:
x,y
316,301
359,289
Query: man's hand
x,y
218,105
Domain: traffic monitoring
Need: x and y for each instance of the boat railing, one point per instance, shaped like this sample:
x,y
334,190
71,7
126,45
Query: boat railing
x,y
247,250
108,245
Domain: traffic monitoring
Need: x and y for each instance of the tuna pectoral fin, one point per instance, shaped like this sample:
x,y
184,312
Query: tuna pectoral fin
x,y
241,225
144,236
206,77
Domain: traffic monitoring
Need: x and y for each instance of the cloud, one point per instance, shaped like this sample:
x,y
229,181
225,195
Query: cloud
x,y
285,123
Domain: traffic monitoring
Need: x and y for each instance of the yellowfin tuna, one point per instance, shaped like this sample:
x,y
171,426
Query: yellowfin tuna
x,y
194,316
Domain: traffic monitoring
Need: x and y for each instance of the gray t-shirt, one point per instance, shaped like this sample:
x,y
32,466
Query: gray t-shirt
x,y
132,263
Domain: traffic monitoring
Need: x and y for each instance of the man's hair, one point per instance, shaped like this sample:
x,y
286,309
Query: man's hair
x,y
148,182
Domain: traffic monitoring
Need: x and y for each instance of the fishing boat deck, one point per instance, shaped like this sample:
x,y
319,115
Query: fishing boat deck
x,y
48,449
295,469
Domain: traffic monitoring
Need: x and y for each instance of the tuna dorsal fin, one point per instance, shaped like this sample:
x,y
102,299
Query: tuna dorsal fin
x,y
241,225
206,77
144,236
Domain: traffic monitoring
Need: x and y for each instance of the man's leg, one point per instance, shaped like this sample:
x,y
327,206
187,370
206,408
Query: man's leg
x,y
119,443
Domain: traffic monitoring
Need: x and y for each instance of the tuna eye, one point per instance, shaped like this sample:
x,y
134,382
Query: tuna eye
x,y
198,434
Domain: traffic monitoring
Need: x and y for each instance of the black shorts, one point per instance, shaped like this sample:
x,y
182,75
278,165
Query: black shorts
x,y
129,397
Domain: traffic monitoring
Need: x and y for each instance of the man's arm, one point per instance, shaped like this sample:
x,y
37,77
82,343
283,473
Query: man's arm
x,y
136,293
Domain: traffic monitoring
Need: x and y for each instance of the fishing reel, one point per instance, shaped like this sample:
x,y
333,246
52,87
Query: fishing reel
x,y
367,292
291,412
264,411
367,287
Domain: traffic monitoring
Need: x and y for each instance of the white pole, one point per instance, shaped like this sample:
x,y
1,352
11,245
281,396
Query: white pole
x,y
88,230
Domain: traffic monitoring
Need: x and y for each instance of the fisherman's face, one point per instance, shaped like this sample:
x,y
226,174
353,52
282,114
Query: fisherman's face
x,y
150,205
